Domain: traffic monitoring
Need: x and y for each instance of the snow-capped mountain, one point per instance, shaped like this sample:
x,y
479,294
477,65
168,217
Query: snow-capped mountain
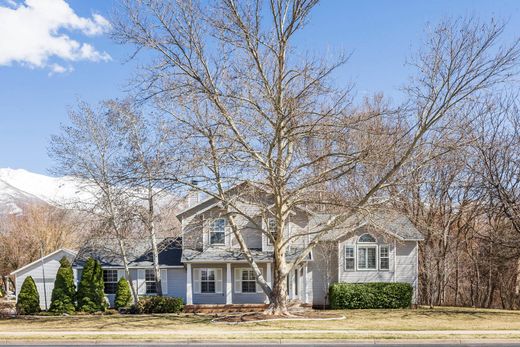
x,y
19,187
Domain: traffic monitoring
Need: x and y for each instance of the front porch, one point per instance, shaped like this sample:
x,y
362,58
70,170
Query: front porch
x,y
230,286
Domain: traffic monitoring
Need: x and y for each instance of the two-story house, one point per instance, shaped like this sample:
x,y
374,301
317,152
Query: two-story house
x,y
206,265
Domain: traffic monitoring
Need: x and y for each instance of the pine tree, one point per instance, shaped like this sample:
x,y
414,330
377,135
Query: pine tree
x,y
29,298
123,294
64,293
91,296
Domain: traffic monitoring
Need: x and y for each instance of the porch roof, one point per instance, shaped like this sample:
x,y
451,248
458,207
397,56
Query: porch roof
x,y
221,255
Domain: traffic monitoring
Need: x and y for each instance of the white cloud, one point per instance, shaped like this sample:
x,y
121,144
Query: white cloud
x,y
33,34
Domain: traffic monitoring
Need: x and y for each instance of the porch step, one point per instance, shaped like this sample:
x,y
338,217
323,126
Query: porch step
x,y
222,308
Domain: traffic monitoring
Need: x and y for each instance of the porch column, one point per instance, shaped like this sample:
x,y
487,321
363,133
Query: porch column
x,y
304,296
229,289
189,293
291,285
268,279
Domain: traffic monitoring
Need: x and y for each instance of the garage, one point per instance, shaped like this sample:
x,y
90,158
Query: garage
x,y
43,271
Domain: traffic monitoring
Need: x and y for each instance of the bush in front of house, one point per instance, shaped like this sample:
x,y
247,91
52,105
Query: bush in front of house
x,y
63,298
158,304
28,299
123,294
370,295
91,295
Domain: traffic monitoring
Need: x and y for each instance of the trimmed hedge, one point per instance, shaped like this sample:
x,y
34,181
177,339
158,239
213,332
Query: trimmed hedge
x,y
123,294
158,304
64,293
370,295
91,288
28,299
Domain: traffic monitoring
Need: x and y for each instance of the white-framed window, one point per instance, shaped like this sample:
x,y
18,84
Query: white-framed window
x,y
350,259
367,253
271,229
367,256
384,257
245,281
149,279
217,231
110,280
207,280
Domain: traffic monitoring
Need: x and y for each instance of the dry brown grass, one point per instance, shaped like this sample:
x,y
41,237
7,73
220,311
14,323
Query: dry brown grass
x,y
445,318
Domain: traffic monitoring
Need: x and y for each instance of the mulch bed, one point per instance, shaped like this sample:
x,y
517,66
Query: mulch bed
x,y
257,317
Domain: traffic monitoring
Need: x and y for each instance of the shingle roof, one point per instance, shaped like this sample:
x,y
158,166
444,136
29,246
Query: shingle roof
x,y
107,252
387,220
220,254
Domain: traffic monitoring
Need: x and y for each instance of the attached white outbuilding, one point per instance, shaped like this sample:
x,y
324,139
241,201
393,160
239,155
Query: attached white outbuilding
x,y
43,272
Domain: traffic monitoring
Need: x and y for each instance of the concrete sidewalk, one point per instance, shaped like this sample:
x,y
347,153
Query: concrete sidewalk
x,y
256,331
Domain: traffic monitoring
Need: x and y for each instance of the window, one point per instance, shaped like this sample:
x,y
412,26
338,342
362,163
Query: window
x,y
271,228
110,279
207,281
149,279
367,238
367,258
384,258
349,258
217,232
248,282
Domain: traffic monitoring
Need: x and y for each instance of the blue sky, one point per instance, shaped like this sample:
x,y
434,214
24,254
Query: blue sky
x,y
380,34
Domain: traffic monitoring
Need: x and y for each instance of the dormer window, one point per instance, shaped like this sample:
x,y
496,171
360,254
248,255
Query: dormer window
x,y
217,232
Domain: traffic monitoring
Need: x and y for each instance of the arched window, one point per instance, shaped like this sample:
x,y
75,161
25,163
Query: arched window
x,y
367,238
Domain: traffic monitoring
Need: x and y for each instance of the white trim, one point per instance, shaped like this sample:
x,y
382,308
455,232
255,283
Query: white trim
x,y
229,290
218,280
238,281
210,230
189,292
38,261
353,247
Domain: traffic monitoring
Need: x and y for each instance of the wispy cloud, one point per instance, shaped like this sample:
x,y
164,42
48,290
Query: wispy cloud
x,y
34,34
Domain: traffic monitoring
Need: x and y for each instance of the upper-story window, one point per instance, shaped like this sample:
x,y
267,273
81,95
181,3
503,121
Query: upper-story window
x,y
271,229
367,238
217,231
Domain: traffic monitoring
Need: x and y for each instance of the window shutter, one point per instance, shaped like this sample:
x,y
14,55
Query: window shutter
x,y
120,274
196,281
164,281
238,287
227,236
141,284
218,281
258,287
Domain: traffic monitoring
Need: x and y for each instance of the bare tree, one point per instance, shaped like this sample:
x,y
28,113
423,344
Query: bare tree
x,y
89,150
146,163
257,111
38,227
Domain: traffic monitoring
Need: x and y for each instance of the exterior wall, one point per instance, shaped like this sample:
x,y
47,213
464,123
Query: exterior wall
x,y
323,271
210,298
177,283
247,298
403,261
51,266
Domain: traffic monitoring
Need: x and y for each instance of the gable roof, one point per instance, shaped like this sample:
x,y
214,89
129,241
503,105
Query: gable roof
x,y
107,252
390,221
69,252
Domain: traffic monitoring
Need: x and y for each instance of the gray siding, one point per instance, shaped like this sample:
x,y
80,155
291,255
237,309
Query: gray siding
x,y
247,298
177,283
210,298
323,271
51,266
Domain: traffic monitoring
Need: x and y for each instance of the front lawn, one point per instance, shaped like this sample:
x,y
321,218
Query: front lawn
x,y
397,323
